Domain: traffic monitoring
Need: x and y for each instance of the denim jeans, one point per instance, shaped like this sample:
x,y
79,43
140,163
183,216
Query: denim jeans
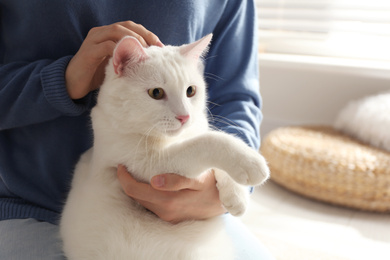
x,y
29,239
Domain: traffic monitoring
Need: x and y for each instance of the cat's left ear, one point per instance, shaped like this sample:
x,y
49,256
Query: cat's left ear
x,y
128,51
196,49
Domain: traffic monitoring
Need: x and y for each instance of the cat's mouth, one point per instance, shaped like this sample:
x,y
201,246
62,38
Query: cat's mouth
x,y
175,127
175,131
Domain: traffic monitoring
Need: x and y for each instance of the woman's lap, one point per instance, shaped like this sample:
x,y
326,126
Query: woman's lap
x,y
247,246
29,239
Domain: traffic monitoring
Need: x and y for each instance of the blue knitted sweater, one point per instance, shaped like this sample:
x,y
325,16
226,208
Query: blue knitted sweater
x,y
43,132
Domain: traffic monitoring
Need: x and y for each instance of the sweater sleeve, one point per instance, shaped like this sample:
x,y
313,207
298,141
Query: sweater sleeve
x,y
233,75
35,92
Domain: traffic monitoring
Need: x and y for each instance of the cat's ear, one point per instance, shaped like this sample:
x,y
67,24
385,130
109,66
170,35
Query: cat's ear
x,y
128,51
196,49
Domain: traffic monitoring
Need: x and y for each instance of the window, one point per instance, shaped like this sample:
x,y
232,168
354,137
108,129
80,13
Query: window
x,y
352,29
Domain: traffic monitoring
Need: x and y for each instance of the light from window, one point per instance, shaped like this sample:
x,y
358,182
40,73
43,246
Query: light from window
x,y
358,29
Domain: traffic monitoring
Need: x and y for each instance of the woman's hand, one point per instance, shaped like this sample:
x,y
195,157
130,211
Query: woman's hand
x,y
85,71
175,198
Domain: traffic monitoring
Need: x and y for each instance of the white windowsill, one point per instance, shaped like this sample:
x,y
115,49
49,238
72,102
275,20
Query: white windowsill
x,y
370,68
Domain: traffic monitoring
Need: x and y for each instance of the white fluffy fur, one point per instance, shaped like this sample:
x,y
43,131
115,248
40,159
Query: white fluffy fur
x,y
368,120
131,128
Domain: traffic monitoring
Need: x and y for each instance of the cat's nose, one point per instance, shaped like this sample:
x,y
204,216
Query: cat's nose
x,y
183,119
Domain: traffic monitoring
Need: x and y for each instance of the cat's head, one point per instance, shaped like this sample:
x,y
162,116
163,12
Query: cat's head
x,y
156,91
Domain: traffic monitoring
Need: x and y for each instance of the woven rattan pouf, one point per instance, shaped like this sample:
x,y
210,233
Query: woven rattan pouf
x,y
323,164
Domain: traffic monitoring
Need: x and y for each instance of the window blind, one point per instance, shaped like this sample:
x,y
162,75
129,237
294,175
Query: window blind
x,y
358,29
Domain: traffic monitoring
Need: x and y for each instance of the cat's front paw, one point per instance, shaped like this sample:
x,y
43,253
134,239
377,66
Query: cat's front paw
x,y
250,169
234,197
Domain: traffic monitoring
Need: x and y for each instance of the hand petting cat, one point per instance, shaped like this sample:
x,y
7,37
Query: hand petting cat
x,y
85,71
175,198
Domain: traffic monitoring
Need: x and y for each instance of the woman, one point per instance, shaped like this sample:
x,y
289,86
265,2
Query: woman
x,y
53,55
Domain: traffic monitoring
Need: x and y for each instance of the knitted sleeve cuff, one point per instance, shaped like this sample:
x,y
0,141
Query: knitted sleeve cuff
x,y
54,89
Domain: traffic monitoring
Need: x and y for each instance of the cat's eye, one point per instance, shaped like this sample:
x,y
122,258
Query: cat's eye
x,y
191,90
156,93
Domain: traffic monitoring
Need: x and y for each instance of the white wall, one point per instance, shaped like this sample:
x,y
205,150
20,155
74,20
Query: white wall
x,y
303,90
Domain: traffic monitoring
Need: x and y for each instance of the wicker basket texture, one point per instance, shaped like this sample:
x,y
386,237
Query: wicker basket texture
x,y
321,163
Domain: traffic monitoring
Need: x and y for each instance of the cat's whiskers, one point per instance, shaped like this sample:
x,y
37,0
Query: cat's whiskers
x,y
212,76
144,140
143,137
222,120
153,143
218,118
214,105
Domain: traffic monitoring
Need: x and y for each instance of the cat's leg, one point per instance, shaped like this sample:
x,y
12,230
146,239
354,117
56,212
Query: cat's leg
x,y
217,150
234,196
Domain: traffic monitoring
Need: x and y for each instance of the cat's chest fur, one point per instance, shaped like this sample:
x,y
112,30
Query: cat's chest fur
x,y
144,156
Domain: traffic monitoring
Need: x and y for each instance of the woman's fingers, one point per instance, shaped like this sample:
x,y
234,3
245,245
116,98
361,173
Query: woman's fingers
x,y
85,72
137,190
115,32
182,199
174,182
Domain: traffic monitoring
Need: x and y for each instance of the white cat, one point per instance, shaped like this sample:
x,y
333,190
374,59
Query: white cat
x,y
151,117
